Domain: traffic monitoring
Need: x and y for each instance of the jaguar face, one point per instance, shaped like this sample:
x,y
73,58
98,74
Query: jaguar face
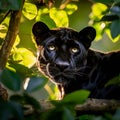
x,y
62,52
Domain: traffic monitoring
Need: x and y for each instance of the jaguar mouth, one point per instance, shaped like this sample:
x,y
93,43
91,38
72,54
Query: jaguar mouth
x,y
60,77
59,80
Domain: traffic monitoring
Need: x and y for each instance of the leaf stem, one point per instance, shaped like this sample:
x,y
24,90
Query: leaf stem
x,y
7,13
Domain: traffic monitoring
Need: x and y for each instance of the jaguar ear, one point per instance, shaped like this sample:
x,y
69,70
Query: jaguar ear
x,y
40,31
87,35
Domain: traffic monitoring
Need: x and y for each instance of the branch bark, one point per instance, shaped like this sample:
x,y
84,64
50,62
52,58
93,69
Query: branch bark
x,y
91,106
98,106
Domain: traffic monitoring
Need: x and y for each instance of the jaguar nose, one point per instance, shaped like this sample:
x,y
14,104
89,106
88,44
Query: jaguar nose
x,y
62,65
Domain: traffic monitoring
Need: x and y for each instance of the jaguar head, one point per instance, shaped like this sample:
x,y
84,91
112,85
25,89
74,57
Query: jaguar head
x,y
62,52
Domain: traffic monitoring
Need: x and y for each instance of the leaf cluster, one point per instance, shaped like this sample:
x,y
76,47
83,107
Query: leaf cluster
x,y
105,17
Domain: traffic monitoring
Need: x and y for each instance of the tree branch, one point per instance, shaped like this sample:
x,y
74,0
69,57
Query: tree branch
x,y
98,106
10,38
8,43
91,106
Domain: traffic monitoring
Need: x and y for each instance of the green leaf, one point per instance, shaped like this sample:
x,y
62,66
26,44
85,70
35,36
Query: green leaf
x,y
48,21
11,79
98,9
17,98
17,110
10,4
104,1
72,99
88,117
36,83
25,57
117,1
115,28
26,99
3,30
43,15
59,113
71,8
10,109
32,101
114,40
67,115
117,115
29,11
60,17
109,17
17,41
22,70
115,80
115,10
76,97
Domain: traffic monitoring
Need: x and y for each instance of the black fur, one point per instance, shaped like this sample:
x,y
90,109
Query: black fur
x,y
65,57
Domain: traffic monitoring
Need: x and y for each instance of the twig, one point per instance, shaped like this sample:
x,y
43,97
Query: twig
x,y
6,14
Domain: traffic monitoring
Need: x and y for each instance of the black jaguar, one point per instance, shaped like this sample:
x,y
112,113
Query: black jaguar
x,y
65,57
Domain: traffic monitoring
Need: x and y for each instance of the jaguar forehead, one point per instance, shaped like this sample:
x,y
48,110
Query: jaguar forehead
x,y
65,34
50,39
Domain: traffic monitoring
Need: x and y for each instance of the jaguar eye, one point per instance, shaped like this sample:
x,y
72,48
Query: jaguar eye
x,y
51,47
74,50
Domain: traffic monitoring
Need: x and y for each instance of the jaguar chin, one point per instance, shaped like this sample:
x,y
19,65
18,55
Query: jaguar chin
x,y
66,58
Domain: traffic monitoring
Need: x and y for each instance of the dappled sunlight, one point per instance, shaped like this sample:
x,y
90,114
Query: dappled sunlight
x,y
24,57
60,17
29,11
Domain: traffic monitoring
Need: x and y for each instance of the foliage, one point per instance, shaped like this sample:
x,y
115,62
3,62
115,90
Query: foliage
x,y
20,75
65,108
10,5
105,17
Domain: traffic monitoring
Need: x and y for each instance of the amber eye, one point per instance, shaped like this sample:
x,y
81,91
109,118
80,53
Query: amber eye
x,y
52,47
74,50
